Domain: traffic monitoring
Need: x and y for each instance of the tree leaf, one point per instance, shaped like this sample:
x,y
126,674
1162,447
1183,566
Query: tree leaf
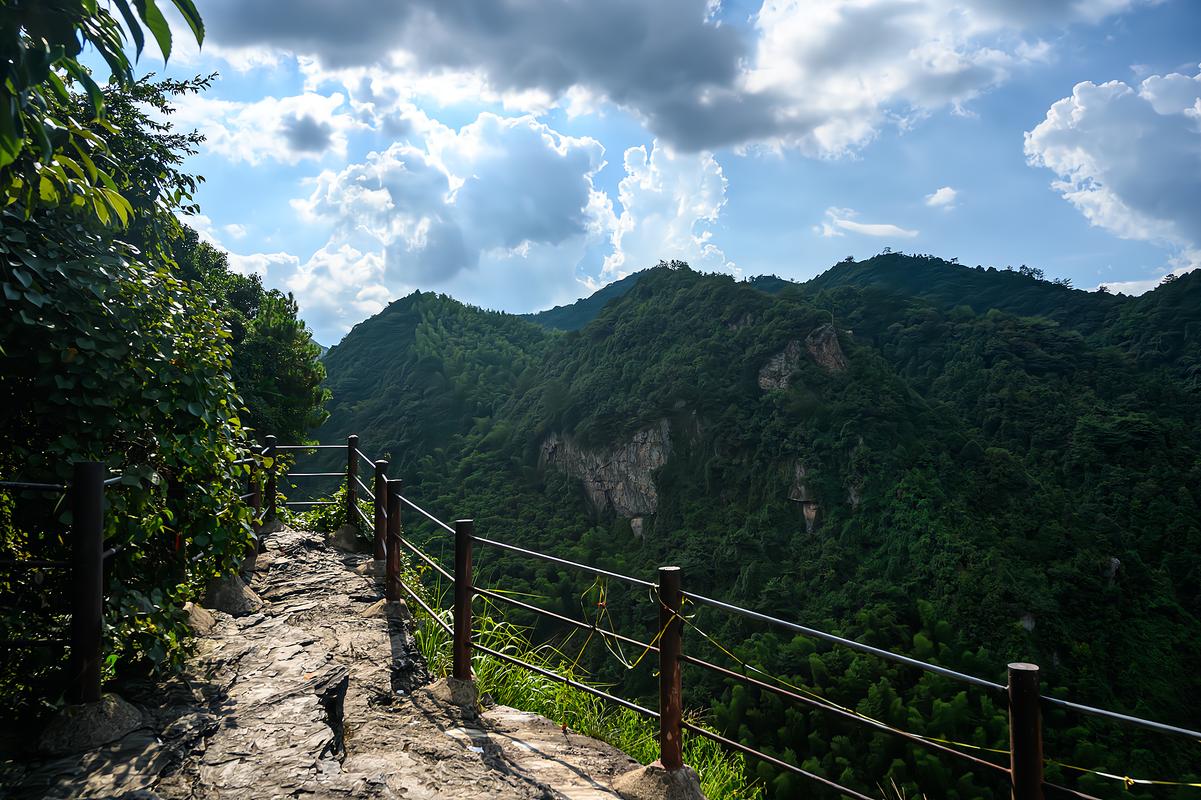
x,y
157,23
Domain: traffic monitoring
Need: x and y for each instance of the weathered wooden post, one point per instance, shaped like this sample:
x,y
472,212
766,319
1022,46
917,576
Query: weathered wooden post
x,y
464,532
352,475
380,496
256,505
1025,733
270,452
256,497
671,714
392,582
87,581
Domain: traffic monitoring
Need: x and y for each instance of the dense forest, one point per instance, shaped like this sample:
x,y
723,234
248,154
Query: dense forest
x,y
971,466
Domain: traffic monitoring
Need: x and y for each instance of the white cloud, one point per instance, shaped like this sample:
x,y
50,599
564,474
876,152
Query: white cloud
x,y
944,198
287,129
1186,261
1129,158
839,220
502,212
820,75
670,203
267,266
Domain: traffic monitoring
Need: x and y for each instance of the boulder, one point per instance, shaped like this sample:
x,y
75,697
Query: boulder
x,y
347,538
87,726
231,595
200,619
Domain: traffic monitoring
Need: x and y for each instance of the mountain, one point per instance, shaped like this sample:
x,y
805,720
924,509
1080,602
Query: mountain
x,y
573,316
576,315
970,466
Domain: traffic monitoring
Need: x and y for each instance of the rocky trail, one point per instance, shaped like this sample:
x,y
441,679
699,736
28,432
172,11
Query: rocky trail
x,y
312,688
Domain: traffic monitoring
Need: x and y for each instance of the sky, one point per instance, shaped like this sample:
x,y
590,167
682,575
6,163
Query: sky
x,y
521,154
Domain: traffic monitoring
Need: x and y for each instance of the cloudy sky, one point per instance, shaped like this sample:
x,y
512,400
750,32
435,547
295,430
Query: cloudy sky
x,y
519,154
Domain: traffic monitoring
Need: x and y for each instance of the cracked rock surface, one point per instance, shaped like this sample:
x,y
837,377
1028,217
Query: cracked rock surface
x,y
319,693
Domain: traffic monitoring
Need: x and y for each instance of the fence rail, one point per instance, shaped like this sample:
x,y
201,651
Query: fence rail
x,y
1024,771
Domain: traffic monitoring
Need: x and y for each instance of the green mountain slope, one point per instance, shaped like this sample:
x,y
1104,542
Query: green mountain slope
x,y
573,316
968,466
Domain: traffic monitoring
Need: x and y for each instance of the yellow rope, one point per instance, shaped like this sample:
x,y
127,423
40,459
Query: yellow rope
x,y
1126,779
824,700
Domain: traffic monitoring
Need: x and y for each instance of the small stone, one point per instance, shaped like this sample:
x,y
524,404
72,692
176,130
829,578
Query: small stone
x,y
654,782
377,609
89,725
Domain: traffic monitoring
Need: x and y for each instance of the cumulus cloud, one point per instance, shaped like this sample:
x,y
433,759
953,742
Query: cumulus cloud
x,y
496,184
1129,158
670,203
942,198
287,129
840,220
819,75
503,211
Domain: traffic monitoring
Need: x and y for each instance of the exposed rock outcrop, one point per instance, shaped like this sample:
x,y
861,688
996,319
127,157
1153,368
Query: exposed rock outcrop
x,y
801,493
621,478
823,345
777,372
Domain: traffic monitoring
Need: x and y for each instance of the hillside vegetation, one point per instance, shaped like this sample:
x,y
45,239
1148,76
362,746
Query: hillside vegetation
x,y
969,466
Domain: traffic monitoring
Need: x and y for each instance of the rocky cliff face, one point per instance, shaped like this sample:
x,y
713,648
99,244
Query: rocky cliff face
x,y
620,478
822,344
801,493
777,372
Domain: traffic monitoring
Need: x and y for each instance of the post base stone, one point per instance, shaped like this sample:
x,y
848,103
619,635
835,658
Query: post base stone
x,y
77,729
654,782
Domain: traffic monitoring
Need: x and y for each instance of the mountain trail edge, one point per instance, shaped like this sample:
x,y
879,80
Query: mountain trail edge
x,y
320,692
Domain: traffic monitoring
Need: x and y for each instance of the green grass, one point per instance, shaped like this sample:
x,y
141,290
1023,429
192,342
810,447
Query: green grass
x,y
724,775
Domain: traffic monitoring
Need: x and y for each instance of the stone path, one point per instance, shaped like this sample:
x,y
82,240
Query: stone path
x,y
319,693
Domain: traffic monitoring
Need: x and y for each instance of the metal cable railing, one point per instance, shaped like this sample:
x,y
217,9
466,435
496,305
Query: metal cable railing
x,y
1024,770
564,562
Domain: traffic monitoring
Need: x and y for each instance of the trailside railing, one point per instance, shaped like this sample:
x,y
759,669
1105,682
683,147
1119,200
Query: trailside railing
x,y
1023,772
85,495
1024,700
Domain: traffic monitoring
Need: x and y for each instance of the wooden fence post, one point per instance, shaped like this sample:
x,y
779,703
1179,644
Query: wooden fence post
x,y
87,581
464,532
256,501
392,582
352,474
270,452
380,496
1025,733
670,644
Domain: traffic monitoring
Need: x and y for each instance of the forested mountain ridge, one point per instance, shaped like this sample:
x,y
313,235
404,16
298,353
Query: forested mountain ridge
x,y
905,465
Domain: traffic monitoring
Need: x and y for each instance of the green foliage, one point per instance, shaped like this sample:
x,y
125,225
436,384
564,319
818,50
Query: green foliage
x,y
724,775
110,358
1006,470
49,154
275,364
108,353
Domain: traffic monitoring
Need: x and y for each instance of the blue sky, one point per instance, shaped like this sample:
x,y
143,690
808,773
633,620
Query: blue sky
x,y
519,155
